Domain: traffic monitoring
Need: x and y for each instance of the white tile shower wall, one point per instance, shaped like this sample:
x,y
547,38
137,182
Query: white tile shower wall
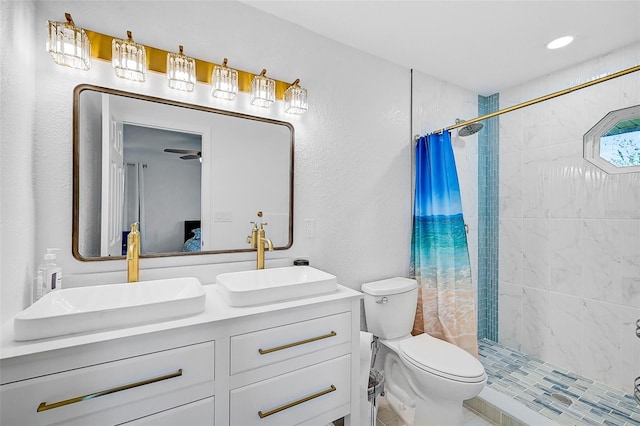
x,y
569,251
353,147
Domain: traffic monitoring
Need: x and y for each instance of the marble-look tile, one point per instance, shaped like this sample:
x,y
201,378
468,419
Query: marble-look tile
x,y
510,252
601,261
630,287
536,253
560,126
535,133
629,350
566,318
535,322
510,188
566,258
566,179
510,314
600,189
630,261
627,202
536,184
601,340
511,133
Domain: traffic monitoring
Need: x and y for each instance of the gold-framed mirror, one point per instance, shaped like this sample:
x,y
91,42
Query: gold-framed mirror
x,y
192,176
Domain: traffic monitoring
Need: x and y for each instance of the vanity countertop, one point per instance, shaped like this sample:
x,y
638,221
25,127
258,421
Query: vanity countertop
x,y
216,310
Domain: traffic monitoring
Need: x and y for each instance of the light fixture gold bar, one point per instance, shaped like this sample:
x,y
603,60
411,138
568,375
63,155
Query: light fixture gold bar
x,y
157,61
44,406
291,345
543,98
298,402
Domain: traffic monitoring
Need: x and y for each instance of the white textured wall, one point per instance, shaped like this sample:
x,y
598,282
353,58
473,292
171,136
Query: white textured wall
x,y
353,147
569,233
17,91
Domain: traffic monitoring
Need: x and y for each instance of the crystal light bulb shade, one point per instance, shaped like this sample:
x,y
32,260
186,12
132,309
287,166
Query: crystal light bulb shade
x,y
181,72
295,100
129,59
69,45
224,83
263,91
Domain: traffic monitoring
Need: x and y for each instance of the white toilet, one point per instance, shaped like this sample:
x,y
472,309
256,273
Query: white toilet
x,y
426,379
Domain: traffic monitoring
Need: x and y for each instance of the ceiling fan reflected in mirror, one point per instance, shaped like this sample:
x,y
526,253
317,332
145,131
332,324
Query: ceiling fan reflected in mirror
x,y
189,154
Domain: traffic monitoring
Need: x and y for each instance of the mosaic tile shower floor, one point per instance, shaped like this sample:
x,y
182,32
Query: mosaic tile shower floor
x,y
532,382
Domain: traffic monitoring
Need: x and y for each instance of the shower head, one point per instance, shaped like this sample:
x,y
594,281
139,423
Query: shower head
x,y
469,129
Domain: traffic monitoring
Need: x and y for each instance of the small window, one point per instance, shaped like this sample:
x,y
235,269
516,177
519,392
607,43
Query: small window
x,y
613,144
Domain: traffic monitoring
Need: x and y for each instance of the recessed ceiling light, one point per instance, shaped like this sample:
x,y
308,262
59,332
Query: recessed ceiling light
x,y
560,42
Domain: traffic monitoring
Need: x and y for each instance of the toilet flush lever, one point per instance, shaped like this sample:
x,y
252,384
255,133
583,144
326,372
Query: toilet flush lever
x,y
382,300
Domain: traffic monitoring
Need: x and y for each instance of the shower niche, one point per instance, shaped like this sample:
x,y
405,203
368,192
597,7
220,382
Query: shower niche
x,y
613,144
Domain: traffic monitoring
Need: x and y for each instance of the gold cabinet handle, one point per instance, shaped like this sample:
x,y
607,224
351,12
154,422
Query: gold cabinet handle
x,y
291,345
298,402
44,406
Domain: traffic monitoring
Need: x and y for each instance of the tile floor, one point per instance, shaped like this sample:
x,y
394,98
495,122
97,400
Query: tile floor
x,y
386,416
562,396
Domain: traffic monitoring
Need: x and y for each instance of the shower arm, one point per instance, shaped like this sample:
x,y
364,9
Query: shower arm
x,y
540,99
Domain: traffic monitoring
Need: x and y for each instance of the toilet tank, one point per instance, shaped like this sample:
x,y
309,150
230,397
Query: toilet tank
x,y
390,307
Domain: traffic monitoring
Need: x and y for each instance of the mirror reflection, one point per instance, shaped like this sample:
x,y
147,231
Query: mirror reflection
x,y
192,177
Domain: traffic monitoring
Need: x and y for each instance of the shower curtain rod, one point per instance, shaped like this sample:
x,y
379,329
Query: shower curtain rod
x,y
540,99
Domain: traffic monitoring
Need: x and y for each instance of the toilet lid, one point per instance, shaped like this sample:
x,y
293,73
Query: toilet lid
x,y
389,286
441,358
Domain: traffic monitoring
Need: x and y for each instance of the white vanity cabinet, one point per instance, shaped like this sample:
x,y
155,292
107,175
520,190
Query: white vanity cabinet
x,y
113,392
292,373
288,363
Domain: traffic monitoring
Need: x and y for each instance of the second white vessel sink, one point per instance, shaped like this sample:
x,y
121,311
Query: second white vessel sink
x,y
76,310
264,286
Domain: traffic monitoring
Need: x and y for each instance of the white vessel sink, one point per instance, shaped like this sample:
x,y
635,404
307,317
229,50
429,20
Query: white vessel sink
x,y
82,309
264,286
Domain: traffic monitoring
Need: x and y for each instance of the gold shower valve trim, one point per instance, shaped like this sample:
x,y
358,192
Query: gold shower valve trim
x,y
157,61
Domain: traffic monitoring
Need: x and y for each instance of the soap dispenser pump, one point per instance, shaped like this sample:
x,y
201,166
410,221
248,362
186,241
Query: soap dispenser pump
x,y
49,276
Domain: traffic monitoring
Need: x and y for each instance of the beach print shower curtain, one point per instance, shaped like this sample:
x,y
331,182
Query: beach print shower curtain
x,y
439,253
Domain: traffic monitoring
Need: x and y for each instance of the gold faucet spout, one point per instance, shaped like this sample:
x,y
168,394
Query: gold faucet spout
x,y
261,241
133,254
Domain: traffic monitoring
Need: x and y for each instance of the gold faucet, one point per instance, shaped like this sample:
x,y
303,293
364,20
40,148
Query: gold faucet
x,y
253,238
257,240
133,254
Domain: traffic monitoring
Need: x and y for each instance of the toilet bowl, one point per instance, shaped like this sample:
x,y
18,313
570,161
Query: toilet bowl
x,y
426,379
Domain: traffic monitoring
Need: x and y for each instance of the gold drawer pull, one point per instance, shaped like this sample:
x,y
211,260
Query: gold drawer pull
x,y
44,406
298,402
291,345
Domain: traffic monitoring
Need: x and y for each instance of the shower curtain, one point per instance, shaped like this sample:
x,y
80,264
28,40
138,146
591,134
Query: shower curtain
x,y
134,205
439,253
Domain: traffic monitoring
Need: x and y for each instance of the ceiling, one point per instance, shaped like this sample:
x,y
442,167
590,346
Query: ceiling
x,y
485,46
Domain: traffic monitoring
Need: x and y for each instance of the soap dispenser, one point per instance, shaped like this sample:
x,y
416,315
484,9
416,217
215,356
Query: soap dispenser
x,y
49,275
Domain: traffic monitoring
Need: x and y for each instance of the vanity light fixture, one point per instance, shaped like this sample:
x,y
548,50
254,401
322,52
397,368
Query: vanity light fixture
x,y
263,90
129,58
73,46
295,99
181,71
69,45
224,82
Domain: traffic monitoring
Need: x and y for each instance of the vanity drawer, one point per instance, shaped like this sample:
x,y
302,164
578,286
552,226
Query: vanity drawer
x,y
198,413
265,347
112,392
294,397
